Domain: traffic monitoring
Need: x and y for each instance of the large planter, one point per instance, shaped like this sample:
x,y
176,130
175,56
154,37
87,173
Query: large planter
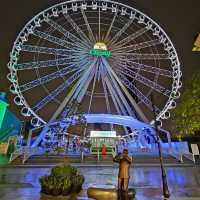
x,y
76,188
66,192
56,191
62,181
46,190
77,183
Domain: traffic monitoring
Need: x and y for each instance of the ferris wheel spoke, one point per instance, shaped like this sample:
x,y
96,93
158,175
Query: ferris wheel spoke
x,y
99,23
144,81
85,87
77,29
140,56
114,100
131,37
143,67
124,89
67,34
137,92
134,47
45,79
91,35
106,95
93,87
47,63
118,106
123,101
57,91
118,34
55,40
110,28
117,102
75,91
46,50
86,79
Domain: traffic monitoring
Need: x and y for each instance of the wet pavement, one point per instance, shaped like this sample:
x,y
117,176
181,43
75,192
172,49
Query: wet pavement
x,y
184,182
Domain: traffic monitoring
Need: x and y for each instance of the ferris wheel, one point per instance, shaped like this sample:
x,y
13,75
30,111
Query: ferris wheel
x,y
105,55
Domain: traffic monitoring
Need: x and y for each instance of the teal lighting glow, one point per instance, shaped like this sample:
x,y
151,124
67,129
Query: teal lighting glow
x,y
3,107
99,52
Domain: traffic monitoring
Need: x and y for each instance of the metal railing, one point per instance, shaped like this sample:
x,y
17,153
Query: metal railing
x,y
26,153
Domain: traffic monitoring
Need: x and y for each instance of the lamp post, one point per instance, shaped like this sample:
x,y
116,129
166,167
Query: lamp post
x,y
166,192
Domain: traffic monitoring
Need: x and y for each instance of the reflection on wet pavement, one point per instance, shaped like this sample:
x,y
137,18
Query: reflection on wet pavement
x,y
184,182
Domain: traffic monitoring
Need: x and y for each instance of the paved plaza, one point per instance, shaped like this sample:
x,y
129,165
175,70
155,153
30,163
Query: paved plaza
x,y
184,182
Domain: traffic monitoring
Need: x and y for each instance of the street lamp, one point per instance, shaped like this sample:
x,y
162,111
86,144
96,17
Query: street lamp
x,y
166,192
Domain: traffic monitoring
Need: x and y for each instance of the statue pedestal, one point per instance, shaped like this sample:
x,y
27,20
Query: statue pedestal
x,y
109,194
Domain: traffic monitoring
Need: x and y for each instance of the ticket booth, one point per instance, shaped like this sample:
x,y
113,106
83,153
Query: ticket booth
x,y
98,138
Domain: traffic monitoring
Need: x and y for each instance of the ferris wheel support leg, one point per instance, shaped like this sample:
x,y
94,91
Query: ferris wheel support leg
x,y
29,138
116,101
136,107
40,137
76,89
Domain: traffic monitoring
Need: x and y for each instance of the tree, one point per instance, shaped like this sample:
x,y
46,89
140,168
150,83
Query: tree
x,y
186,117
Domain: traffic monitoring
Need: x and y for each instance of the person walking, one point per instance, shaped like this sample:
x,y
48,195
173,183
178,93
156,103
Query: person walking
x,y
103,150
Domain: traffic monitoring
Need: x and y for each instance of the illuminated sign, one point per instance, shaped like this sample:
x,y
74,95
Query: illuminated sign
x,y
97,52
100,49
102,133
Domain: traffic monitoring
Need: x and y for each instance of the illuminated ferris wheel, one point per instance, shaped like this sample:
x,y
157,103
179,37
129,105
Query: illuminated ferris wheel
x,y
103,54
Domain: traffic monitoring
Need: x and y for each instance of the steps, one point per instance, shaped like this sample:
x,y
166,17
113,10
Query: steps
x,y
52,159
18,160
92,159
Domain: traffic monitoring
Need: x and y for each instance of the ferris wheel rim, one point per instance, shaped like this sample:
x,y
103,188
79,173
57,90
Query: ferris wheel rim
x,y
167,105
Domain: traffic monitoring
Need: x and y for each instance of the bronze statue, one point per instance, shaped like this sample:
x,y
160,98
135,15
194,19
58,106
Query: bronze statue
x,y
124,161
123,193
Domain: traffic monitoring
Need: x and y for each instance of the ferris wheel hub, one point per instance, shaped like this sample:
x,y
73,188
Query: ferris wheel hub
x,y
100,49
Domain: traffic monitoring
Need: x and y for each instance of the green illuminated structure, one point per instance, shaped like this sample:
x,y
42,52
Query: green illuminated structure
x,y
100,49
3,106
10,125
99,52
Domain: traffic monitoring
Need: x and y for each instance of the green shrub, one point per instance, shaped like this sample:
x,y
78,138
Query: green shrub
x,y
64,170
62,180
77,182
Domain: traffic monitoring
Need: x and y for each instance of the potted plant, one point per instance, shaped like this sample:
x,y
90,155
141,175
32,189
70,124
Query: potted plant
x,y
44,184
77,182
62,180
57,186
66,187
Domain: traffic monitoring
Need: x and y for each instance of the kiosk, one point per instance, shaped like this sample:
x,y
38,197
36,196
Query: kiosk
x,y
98,138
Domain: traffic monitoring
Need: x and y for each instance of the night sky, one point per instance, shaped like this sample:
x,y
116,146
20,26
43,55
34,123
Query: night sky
x,y
179,18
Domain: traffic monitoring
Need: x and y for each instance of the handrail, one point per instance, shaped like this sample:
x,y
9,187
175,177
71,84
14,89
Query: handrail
x,y
189,156
26,152
16,153
30,151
